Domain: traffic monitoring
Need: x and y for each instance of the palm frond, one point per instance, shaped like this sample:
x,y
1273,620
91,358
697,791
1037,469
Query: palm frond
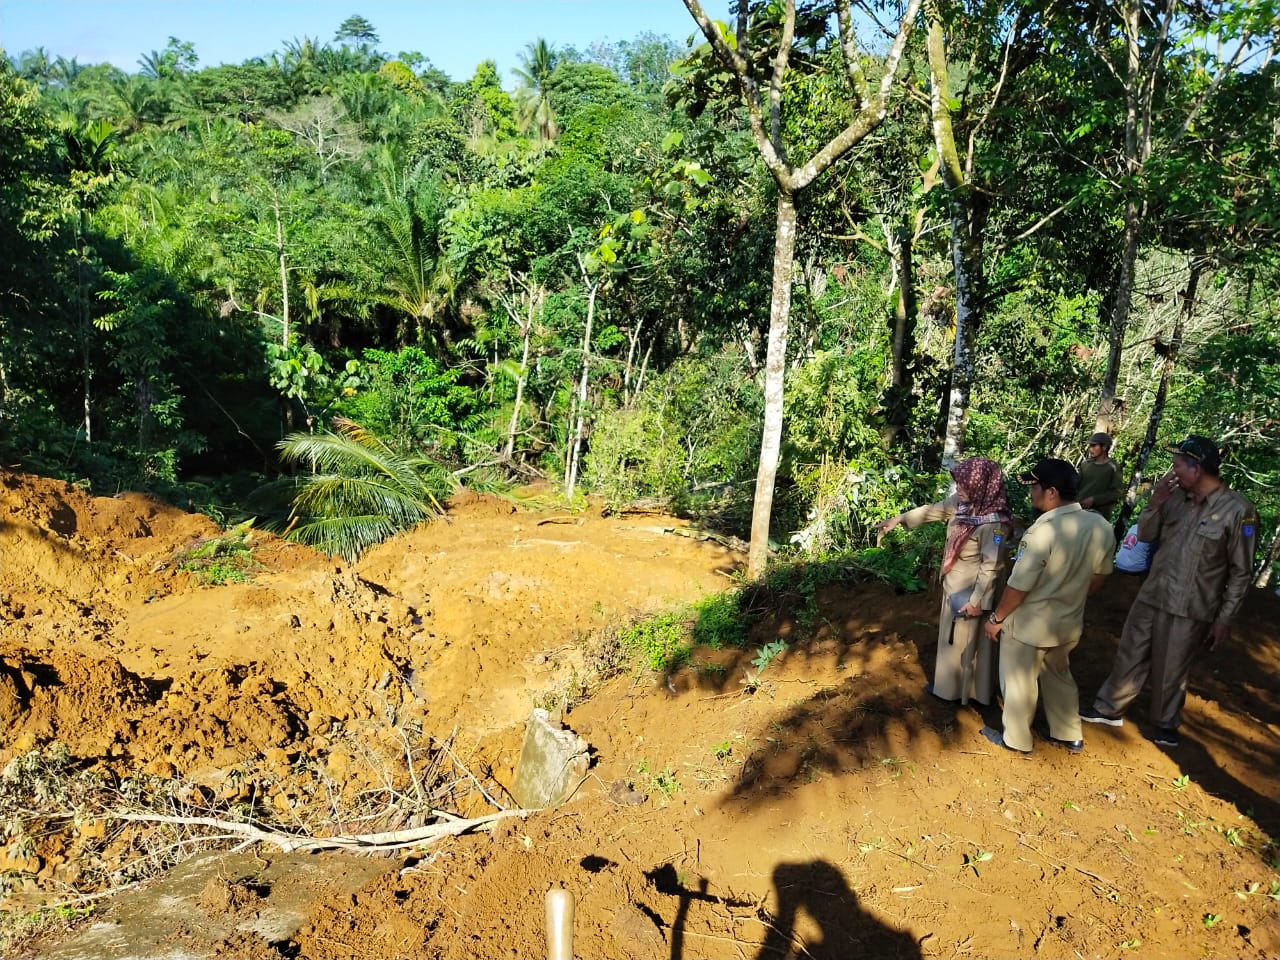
x,y
361,491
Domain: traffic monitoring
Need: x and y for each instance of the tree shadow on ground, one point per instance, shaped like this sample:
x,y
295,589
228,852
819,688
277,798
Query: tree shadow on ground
x,y
873,635
1230,746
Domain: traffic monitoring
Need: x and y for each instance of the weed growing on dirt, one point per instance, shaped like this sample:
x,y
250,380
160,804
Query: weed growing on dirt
x,y
764,656
1210,920
662,642
224,559
718,623
1189,826
1254,889
664,781
972,860
723,750
1233,837
895,766
768,653
870,846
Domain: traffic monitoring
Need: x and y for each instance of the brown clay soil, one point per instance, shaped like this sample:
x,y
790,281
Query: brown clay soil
x,y
832,810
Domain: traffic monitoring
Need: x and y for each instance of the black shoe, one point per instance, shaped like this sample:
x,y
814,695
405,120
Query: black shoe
x,y
996,737
1165,737
1090,715
1071,746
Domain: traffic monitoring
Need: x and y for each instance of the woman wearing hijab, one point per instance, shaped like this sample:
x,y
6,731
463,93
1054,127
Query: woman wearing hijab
x,y
978,528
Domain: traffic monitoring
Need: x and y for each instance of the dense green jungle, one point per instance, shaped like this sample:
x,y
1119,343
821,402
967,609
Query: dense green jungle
x,y
775,277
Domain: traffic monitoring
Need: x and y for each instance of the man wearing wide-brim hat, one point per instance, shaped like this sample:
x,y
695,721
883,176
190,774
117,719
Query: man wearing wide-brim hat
x,y
1064,556
1198,579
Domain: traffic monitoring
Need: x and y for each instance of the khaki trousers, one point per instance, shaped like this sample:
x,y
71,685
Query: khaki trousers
x,y
1028,672
1158,645
965,666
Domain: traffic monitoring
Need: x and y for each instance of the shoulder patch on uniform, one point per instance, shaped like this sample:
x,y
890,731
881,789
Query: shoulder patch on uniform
x,y
1021,550
998,537
1249,529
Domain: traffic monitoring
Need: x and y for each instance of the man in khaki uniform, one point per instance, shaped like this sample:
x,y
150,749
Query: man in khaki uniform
x,y
1064,556
1198,580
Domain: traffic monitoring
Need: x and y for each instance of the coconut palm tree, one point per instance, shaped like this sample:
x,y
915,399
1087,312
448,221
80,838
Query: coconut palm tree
x,y
361,491
36,66
533,98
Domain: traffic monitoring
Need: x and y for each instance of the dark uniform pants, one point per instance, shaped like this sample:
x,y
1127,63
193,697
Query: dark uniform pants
x,y
1162,646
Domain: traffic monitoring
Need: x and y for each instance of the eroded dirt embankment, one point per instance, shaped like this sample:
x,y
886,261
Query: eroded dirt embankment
x,y
822,807
302,688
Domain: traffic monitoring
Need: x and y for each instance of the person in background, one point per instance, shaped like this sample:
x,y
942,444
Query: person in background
x,y
1198,580
1100,482
1064,557
978,528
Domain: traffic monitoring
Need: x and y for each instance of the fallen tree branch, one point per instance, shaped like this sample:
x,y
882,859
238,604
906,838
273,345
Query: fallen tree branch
x,y
356,843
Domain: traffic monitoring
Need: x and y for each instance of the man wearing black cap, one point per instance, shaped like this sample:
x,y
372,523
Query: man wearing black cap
x,y
1198,580
1064,556
1100,480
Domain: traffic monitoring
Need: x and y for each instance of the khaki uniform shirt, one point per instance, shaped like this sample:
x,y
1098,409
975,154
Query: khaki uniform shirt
x,y
1103,482
1204,566
1057,558
981,557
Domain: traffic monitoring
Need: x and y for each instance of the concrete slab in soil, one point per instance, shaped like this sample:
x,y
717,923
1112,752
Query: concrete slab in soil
x,y
186,913
553,762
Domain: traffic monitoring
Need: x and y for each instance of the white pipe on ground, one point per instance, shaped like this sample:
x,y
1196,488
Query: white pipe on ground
x,y
559,924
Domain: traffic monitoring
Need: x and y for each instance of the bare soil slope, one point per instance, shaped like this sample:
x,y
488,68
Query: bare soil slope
x,y
831,810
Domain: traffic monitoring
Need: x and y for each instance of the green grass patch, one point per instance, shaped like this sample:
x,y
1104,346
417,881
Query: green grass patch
x,y
225,559
664,642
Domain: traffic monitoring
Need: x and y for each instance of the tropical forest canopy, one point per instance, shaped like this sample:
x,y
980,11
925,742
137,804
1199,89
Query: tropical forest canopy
x,y
822,253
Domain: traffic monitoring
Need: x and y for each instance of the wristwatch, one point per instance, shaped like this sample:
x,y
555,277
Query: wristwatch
x,y
992,618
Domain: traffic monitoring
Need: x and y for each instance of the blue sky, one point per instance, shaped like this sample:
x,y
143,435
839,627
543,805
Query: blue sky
x,y
455,35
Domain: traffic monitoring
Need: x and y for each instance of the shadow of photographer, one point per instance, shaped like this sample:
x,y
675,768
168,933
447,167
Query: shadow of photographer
x,y
818,917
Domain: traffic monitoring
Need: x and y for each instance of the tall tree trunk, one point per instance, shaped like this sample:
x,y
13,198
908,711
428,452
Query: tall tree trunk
x,y
968,273
509,450
966,244
784,247
764,104
576,452
568,432
86,371
633,345
534,300
1139,82
1162,394
1108,412
282,261
897,399
644,367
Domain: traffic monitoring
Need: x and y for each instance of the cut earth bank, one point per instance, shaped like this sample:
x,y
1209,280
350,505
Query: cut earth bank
x,y
829,810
